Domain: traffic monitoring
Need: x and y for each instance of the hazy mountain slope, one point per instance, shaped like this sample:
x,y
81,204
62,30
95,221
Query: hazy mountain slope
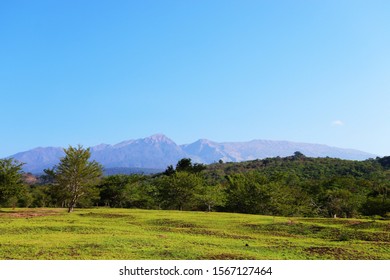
x,y
208,151
38,159
156,151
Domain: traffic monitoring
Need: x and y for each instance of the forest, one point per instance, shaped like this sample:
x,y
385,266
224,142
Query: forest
x,y
281,186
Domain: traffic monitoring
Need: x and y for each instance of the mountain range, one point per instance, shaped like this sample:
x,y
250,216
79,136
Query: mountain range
x,y
158,151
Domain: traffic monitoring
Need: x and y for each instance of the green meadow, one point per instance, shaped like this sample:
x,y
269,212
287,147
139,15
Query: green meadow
x,y
104,233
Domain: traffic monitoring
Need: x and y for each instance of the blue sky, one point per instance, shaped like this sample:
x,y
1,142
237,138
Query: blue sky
x,y
91,72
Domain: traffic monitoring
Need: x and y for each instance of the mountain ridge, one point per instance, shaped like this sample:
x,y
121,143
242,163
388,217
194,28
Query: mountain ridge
x,y
158,151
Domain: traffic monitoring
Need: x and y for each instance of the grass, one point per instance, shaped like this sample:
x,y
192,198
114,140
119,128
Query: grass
x,y
102,233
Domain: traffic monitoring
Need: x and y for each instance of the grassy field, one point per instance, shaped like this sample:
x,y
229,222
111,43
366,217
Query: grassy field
x,y
145,234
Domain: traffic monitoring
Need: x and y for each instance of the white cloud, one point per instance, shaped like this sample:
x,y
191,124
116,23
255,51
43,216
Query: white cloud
x,y
337,123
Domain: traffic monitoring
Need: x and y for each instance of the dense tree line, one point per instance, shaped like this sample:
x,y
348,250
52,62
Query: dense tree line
x,y
291,186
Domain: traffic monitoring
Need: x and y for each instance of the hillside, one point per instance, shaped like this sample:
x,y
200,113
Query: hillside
x,y
303,167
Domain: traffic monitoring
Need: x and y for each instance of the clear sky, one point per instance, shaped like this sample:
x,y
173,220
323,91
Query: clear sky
x,y
90,72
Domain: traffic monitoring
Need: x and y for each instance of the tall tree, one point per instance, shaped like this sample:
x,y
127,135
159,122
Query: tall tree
x,y
10,179
76,174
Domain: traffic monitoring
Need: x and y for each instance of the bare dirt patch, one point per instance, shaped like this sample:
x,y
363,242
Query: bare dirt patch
x,y
336,253
29,214
105,215
228,256
173,223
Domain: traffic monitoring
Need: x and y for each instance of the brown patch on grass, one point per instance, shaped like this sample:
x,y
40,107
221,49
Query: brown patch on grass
x,y
218,234
166,254
228,256
336,253
173,223
328,221
29,213
106,215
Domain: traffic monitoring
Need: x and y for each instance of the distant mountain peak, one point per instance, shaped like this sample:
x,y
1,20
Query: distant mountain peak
x,y
205,141
100,147
158,138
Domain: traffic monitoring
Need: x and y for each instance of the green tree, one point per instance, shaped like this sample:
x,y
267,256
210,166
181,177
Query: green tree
x,y
248,193
169,171
77,175
10,180
288,200
211,196
114,190
376,206
178,191
124,191
185,164
341,203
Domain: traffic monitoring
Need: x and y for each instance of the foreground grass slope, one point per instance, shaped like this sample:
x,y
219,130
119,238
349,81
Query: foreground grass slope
x,y
146,234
